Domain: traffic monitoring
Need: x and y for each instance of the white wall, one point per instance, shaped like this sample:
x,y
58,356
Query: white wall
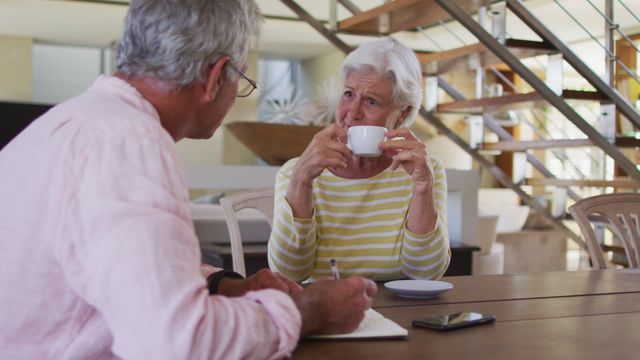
x,y
321,68
15,68
62,72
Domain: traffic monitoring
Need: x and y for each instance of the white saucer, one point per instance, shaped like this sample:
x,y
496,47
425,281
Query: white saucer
x,y
418,288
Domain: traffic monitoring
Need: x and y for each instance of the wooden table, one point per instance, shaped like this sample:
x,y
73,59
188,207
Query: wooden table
x,y
556,315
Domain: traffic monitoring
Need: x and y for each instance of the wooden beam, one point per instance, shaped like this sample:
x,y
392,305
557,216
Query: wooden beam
x,y
493,103
470,56
622,141
618,183
400,15
537,144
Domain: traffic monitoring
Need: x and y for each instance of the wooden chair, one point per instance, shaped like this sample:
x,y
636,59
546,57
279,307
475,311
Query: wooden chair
x,y
621,214
259,199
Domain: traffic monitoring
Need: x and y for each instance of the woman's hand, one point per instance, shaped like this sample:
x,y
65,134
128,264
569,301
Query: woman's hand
x,y
327,149
410,153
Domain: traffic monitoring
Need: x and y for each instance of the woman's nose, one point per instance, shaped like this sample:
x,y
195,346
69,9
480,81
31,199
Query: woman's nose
x,y
355,110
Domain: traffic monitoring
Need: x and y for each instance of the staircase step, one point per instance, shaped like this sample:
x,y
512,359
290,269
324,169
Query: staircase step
x,y
622,183
510,102
402,15
477,55
537,144
509,146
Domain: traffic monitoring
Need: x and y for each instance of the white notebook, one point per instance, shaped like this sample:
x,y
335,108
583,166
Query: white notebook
x,y
374,325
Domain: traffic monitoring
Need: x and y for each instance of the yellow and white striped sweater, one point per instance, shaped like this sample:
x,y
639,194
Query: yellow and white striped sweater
x,y
360,223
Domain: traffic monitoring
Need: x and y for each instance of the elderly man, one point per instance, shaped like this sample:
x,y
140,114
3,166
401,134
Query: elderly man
x,y
99,257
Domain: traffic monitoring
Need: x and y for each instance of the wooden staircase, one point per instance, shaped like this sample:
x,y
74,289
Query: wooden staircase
x,y
470,57
401,15
407,15
511,102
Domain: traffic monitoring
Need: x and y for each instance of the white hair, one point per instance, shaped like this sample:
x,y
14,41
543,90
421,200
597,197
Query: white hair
x,y
175,41
387,57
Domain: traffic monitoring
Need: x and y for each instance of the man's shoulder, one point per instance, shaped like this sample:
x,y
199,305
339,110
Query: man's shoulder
x,y
102,116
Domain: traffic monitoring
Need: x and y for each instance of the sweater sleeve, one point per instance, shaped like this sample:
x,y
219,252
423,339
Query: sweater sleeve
x,y
292,244
427,256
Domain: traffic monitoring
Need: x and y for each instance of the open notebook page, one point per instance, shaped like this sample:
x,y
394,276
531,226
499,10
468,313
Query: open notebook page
x,y
374,325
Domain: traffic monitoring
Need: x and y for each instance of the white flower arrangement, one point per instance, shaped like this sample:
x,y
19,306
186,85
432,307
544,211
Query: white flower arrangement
x,y
287,111
299,110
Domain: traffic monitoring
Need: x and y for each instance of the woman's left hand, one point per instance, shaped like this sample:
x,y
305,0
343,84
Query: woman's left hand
x,y
410,153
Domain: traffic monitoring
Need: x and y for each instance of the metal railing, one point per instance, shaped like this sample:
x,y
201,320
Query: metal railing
x,y
540,130
614,26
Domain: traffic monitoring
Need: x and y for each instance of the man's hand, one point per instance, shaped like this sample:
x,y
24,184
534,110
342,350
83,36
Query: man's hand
x,y
263,279
334,306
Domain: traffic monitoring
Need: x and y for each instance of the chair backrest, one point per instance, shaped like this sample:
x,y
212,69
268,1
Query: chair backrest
x,y
259,199
622,214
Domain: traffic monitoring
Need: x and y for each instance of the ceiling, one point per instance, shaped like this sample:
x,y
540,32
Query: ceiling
x,y
98,24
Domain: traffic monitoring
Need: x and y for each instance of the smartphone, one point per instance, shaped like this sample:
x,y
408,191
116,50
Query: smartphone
x,y
454,321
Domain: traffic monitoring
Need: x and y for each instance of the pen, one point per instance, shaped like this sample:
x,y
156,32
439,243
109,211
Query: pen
x,y
334,269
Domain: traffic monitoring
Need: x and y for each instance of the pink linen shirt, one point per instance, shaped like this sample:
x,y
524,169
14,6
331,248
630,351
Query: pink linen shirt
x,y
99,258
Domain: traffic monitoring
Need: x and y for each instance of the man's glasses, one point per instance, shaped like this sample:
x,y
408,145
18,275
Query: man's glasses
x,y
246,86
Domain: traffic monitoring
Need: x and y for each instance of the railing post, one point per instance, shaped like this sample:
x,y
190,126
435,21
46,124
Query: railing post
x,y
607,121
499,22
333,15
555,76
610,56
476,131
431,93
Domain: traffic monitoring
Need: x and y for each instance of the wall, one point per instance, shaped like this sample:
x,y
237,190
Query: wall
x,y
15,69
62,72
321,68
57,73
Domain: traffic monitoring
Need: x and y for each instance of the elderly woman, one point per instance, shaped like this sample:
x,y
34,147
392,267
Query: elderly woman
x,y
380,217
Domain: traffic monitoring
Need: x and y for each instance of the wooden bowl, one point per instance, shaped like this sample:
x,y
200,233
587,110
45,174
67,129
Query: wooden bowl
x,y
273,143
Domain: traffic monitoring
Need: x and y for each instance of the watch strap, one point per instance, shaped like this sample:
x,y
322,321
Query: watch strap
x,y
214,279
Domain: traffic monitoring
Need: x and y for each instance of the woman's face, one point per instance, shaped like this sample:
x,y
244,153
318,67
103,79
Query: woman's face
x,y
367,99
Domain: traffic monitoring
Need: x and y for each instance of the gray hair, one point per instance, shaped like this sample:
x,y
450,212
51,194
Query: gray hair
x,y
387,57
175,41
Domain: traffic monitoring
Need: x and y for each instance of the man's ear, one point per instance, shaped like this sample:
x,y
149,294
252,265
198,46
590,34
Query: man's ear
x,y
215,79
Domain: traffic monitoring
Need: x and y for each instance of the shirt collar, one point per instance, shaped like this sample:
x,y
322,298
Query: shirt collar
x,y
116,86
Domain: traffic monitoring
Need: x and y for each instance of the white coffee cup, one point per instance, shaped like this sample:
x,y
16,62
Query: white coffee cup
x,y
364,140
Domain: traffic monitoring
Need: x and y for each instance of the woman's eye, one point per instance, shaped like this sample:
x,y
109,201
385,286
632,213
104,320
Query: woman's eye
x,y
347,93
372,101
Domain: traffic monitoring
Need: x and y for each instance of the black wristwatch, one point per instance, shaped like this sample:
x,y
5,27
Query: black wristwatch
x,y
214,279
